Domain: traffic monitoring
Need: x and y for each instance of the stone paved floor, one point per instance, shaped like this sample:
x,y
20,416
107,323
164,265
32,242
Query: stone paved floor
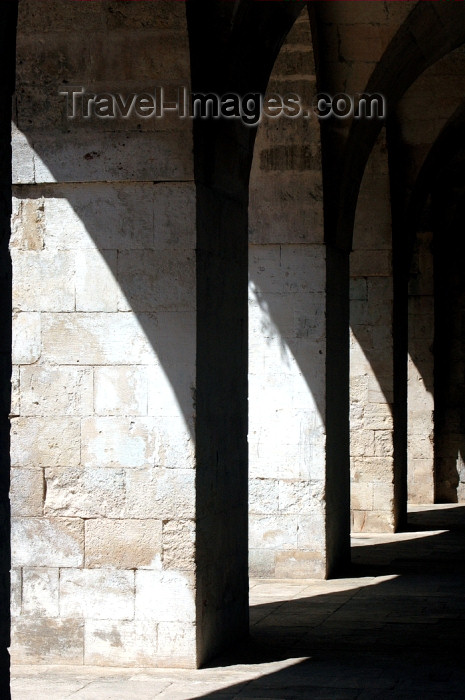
x,y
393,628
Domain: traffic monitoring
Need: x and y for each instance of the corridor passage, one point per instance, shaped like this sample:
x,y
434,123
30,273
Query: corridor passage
x,y
392,627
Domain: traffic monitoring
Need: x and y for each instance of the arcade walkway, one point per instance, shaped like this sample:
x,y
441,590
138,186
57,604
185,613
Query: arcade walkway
x,y
392,628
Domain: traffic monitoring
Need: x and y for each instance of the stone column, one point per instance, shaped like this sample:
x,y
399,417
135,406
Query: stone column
x,y
110,478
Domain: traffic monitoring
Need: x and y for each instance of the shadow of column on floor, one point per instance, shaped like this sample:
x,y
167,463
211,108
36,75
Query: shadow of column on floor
x,y
400,633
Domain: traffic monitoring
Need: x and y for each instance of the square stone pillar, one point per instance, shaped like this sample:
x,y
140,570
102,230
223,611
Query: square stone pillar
x,y
128,425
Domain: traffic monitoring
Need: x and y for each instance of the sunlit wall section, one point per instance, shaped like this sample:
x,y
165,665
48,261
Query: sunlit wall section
x,y
287,331
102,485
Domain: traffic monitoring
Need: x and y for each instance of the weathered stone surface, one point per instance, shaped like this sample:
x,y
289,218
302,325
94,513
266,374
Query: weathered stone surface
x,y
372,521
300,268
173,399
15,390
44,280
85,493
101,594
174,216
40,592
27,223
120,391
165,596
45,442
299,564
53,641
176,644
98,338
383,496
371,263
26,338
123,544
179,545
118,442
15,592
362,495
269,224
299,497
22,163
310,530
47,542
157,280
121,643
61,158
170,493
99,216
271,532
373,470
263,496
262,562
96,286
26,492
56,391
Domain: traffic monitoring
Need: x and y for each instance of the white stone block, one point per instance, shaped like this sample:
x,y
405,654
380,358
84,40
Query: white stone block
x,y
40,592
270,532
311,528
120,391
177,643
298,497
179,545
43,280
118,442
15,592
26,338
45,442
263,496
47,641
85,493
166,493
101,594
99,338
121,643
15,392
56,391
165,596
123,544
26,492
23,158
27,223
47,542
96,286
172,394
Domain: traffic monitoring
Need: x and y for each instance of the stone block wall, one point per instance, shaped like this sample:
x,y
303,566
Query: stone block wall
x,y
435,436
421,373
287,332
371,353
103,479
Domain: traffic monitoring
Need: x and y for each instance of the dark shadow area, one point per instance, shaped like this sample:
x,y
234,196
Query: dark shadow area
x,y
399,637
449,347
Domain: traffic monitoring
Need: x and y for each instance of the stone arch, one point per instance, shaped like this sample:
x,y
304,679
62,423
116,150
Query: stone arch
x,y
429,33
